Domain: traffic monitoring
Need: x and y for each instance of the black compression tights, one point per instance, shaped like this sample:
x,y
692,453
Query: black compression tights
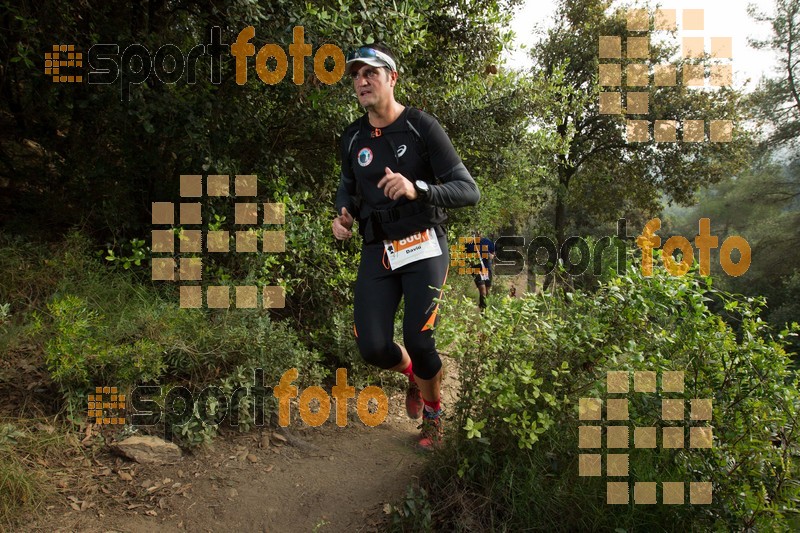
x,y
377,296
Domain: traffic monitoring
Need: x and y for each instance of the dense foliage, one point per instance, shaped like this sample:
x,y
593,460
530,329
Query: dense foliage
x,y
81,164
528,361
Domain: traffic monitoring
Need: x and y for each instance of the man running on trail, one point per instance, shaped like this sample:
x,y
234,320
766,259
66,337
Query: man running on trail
x,y
399,169
483,278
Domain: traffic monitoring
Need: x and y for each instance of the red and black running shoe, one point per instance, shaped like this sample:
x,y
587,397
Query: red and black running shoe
x,y
431,436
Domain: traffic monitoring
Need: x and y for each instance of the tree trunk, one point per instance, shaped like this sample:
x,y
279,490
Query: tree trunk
x,y
564,176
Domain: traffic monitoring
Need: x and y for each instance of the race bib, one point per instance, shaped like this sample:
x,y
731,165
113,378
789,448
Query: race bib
x,y
421,245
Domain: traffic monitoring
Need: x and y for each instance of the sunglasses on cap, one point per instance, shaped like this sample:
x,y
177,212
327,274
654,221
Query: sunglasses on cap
x,y
370,56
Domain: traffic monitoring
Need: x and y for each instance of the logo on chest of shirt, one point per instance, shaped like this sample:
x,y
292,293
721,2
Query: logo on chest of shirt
x,y
364,157
401,150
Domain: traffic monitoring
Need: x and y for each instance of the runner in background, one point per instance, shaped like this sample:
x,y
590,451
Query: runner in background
x,y
399,169
483,279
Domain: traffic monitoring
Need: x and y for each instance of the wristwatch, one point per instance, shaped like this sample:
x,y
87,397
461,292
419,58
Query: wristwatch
x,y
423,189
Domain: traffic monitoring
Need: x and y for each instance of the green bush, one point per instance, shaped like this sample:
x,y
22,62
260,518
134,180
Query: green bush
x,y
99,327
271,347
512,459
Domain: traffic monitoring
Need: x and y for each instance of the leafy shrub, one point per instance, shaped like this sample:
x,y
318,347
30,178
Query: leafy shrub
x,y
97,327
513,456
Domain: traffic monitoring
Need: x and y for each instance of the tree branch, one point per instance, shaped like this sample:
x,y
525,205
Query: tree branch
x,y
791,37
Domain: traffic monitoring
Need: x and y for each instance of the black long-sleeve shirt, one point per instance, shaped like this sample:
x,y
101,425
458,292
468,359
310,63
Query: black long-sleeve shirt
x,y
416,146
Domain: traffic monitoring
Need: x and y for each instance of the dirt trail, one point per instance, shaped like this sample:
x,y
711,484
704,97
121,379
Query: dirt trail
x,y
306,479
322,479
